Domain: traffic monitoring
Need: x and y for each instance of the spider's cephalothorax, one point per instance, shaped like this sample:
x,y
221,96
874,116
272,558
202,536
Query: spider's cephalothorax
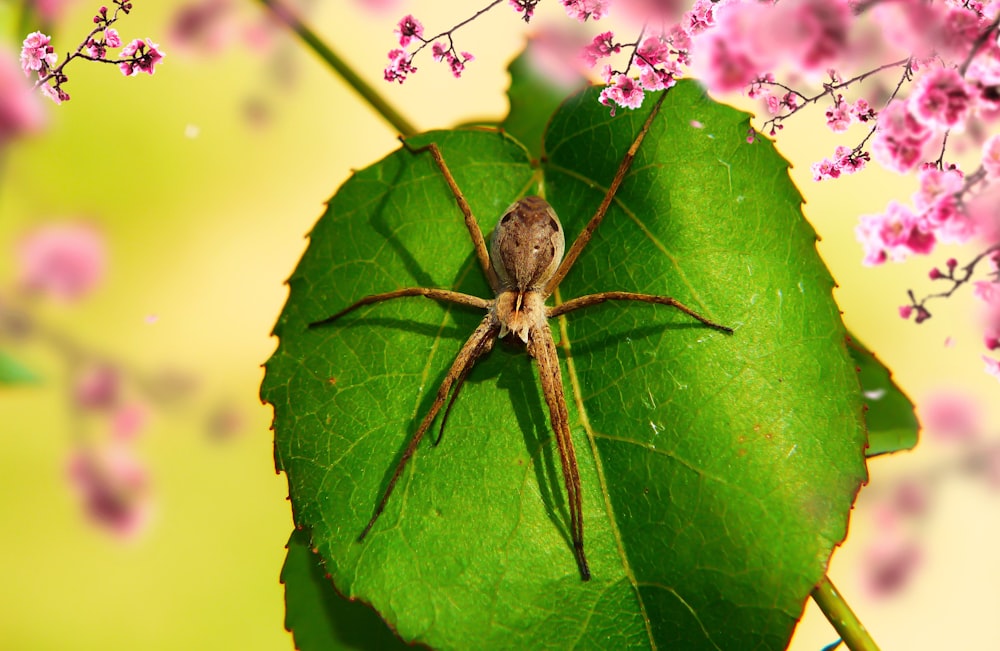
x,y
526,249
523,265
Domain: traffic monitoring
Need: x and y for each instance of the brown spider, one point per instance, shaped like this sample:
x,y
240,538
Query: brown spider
x,y
523,265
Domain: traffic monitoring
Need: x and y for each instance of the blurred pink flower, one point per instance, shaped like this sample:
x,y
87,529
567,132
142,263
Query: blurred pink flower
x,y
583,9
65,261
113,488
20,110
205,26
991,156
50,10
553,51
892,235
899,143
648,11
950,416
889,565
127,421
97,387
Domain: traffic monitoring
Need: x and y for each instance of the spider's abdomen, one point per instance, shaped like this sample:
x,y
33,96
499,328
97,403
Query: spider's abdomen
x,y
527,245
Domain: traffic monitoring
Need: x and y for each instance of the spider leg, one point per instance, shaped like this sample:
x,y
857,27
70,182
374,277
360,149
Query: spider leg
x,y
451,401
480,343
445,295
478,241
595,299
584,237
543,349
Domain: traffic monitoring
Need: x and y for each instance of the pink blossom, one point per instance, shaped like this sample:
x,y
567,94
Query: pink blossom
x,y
583,9
57,95
654,51
527,7
948,222
892,235
141,55
905,311
624,91
409,28
936,183
845,160
991,156
65,261
37,54
983,209
111,37
700,18
862,111
653,79
941,99
900,139
20,111
987,291
399,66
113,487
457,64
838,116
602,46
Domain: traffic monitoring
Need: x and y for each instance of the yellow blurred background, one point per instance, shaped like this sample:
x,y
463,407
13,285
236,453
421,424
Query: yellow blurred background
x,y
204,179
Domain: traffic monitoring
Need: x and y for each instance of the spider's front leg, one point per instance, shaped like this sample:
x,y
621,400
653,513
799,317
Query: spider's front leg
x,y
480,343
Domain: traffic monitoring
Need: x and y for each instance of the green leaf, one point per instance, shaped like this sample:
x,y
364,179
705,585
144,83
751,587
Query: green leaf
x,y
13,372
718,471
533,99
889,414
318,617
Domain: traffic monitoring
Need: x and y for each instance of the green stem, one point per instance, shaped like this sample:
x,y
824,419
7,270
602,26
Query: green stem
x,y
848,626
360,86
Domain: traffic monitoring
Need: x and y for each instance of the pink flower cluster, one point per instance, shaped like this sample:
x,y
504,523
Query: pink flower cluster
x,y
845,161
411,30
739,40
527,7
658,59
141,55
584,9
937,217
38,55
